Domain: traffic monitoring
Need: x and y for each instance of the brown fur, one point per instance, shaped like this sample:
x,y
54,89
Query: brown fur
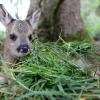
x,y
21,29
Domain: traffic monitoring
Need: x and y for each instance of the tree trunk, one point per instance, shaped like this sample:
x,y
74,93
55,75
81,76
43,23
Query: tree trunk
x,y
48,7
58,16
69,18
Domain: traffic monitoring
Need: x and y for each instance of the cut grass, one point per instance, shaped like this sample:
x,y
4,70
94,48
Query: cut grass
x,y
50,72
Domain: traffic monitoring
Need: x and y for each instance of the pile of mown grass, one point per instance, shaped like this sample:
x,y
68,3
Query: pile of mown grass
x,y
50,73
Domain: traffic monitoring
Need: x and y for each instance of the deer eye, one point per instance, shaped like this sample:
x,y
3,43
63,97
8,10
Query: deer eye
x,y
13,37
30,37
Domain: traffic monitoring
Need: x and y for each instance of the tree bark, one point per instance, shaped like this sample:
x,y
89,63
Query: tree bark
x,y
48,7
69,18
58,16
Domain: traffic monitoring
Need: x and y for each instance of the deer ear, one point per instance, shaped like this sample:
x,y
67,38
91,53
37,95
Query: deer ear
x,y
5,17
34,19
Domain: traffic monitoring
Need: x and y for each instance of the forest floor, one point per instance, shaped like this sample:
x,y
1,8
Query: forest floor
x,y
56,70
50,72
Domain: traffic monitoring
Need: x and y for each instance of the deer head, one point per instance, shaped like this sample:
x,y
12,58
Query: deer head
x,y
19,32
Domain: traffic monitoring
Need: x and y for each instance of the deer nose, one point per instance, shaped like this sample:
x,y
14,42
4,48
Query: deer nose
x,y
23,48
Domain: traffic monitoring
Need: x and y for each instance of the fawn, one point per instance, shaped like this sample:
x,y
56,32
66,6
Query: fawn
x,y
19,33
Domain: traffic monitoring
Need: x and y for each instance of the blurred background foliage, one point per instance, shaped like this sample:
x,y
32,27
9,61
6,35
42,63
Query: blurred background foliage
x,y
90,11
